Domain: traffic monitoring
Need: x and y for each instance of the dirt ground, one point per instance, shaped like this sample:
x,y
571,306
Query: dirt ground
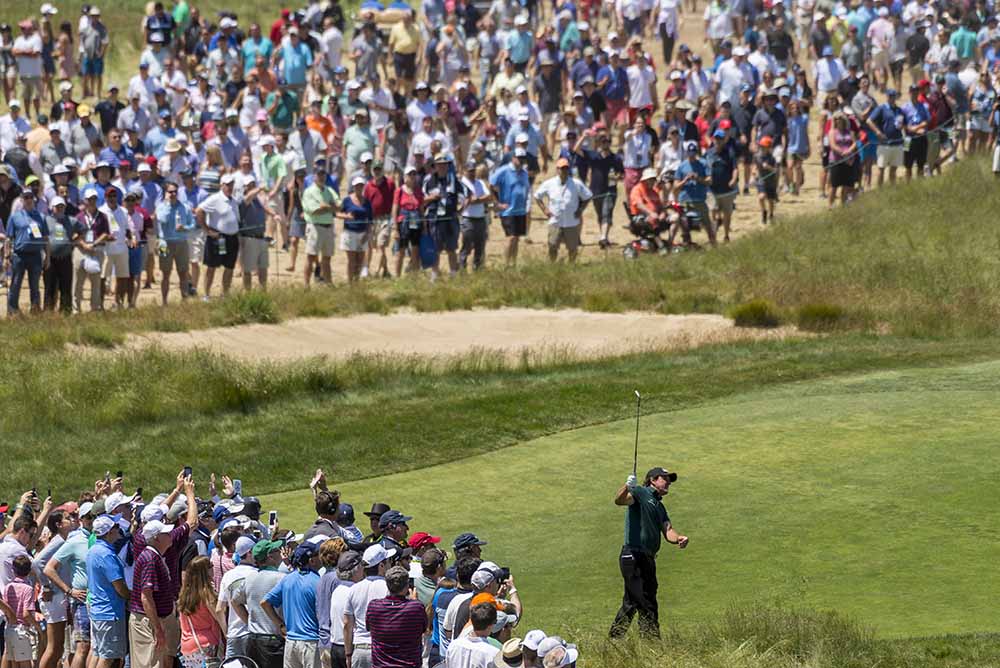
x,y
576,333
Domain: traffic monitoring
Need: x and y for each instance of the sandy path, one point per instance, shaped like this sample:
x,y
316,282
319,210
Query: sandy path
x,y
451,333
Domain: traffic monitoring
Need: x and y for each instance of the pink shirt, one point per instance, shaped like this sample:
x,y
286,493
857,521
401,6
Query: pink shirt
x,y
20,596
203,624
221,564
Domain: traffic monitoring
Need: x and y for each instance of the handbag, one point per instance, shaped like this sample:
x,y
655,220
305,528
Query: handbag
x,y
202,658
428,249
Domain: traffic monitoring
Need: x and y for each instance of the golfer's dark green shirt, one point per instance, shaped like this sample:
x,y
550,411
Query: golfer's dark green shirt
x,y
644,520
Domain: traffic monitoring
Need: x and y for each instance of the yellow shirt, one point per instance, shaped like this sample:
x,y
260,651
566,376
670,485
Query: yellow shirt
x,y
404,40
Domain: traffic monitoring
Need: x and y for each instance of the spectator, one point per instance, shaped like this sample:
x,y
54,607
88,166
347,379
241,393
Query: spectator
x,y
396,624
357,638
201,624
295,594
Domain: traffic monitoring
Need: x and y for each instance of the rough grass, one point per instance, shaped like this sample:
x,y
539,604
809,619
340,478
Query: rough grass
x,y
755,313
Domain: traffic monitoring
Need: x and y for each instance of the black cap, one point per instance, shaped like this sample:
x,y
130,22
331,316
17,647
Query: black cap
x,y
251,507
658,471
466,540
391,517
348,561
377,509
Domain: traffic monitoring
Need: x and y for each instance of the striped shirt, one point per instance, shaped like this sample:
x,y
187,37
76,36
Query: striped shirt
x,y
397,627
151,573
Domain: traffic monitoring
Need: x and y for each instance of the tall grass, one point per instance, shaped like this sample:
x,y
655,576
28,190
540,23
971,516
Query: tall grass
x,y
768,637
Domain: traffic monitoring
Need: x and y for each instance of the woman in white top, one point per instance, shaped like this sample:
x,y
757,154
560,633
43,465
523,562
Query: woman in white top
x,y
669,158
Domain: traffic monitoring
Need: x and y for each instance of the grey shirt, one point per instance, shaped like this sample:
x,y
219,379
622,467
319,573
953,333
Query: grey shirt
x,y
255,588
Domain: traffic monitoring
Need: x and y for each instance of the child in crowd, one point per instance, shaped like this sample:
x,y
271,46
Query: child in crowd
x,y
765,171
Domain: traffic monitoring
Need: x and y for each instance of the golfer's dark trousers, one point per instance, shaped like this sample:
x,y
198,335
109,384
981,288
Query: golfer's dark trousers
x,y
639,573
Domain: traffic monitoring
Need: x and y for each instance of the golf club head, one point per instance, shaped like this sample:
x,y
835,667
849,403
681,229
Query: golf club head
x,y
637,395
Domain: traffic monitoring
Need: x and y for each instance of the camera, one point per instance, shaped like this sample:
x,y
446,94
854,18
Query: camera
x,y
504,574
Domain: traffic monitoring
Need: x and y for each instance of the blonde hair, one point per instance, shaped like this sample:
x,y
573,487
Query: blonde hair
x,y
196,587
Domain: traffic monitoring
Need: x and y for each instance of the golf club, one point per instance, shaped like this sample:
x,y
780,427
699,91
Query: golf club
x,y
635,456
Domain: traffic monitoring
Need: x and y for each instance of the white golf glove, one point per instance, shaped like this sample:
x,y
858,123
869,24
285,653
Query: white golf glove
x,y
631,481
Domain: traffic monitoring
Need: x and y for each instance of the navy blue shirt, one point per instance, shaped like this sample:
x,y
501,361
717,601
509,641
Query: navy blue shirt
x,y
693,190
889,119
29,231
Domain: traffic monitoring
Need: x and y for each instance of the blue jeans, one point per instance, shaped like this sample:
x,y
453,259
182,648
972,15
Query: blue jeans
x,y
19,264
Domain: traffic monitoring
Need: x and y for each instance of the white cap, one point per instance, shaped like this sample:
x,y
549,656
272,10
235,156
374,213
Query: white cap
x,y
47,8
114,500
103,525
461,85
549,644
485,575
533,639
376,554
366,156
353,84
521,138
357,180
95,11
244,544
740,51
676,74
155,528
266,140
143,167
14,103
229,178
561,656
66,85
85,508
153,511
57,201
227,22
520,89
883,11
583,25
521,20
409,170
156,37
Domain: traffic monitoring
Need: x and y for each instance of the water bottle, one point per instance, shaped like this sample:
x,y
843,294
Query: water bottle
x,y
162,247
220,244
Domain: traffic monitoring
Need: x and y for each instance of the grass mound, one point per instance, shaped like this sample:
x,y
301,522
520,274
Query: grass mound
x,y
820,317
755,313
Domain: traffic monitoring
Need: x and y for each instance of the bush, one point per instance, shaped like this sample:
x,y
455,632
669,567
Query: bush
x,y
247,307
756,313
820,317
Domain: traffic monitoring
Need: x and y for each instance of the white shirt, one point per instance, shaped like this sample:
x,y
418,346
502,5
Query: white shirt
x,y
10,549
630,9
450,616
697,84
516,107
176,86
638,146
145,88
331,43
667,16
229,590
29,66
338,604
470,652
731,76
828,73
564,199
720,23
358,597
763,61
640,80
9,127
382,98
415,112
117,224
478,188
221,213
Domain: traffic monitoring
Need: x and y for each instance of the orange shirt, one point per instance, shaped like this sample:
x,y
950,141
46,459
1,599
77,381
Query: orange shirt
x,y
646,196
322,125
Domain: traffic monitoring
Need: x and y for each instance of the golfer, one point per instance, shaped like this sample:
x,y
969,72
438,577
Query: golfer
x,y
645,521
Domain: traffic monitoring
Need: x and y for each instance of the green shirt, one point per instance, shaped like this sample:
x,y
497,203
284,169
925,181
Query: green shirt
x,y
357,141
272,169
182,16
644,520
316,196
288,104
964,41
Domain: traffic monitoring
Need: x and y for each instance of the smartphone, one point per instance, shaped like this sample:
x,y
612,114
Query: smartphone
x,y
107,476
119,475
238,487
34,491
49,493
272,518
187,471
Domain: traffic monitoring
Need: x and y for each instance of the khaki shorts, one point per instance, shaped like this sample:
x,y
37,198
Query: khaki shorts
x,y
142,641
383,231
566,235
31,88
725,202
320,240
880,60
356,242
889,156
117,265
196,247
254,254
177,254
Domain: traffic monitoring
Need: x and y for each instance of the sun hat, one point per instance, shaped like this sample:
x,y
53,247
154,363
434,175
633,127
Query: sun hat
x,y
376,554
648,173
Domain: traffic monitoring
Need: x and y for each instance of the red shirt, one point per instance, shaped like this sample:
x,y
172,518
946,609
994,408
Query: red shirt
x,y
380,195
405,201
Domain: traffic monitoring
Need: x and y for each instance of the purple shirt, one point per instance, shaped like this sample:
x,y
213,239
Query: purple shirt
x,y
397,626
151,573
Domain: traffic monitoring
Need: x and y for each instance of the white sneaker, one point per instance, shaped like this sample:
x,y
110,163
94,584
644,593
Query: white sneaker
x,y
364,272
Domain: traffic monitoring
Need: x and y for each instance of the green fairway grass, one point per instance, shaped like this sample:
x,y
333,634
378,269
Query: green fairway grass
x,y
873,495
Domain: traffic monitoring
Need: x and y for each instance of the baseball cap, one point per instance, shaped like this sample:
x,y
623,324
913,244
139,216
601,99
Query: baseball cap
x,y
116,499
348,560
391,517
154,511
648,173
86,508
892,92
303,553
468,539
485,575
827,50
225,180
691,146
658,471
262,548
345,514
719,134
367,156
356,181
533,639
560,656
520,153
766,142
244,544
154,528
57,201
104,524
14,103
376,554
422,538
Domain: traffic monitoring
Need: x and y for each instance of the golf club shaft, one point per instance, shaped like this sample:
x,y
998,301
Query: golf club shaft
x,y
635,455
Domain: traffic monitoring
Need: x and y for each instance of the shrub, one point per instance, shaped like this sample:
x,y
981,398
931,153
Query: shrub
x,y
247,307
820,317
756,313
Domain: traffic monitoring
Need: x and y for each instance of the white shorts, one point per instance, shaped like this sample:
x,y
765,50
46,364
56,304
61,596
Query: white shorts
x,y
889,156
116,264
55,610
254,254
356,242
996,159
18,639
196,246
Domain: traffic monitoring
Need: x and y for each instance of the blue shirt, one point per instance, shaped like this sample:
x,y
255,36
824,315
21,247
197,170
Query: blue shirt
x,y
519,43
617,86
534,138
29,231
156,139
955,88
916,113
512,186
103,568
114,157
151,195
693,191
295,62
168,217
361,216
295,594
798,134
889,120
252,49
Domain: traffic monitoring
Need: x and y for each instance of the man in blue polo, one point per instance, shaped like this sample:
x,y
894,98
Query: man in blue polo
x,y
646,522
108,593
693,178
295,594
887,123
511,188
27,238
